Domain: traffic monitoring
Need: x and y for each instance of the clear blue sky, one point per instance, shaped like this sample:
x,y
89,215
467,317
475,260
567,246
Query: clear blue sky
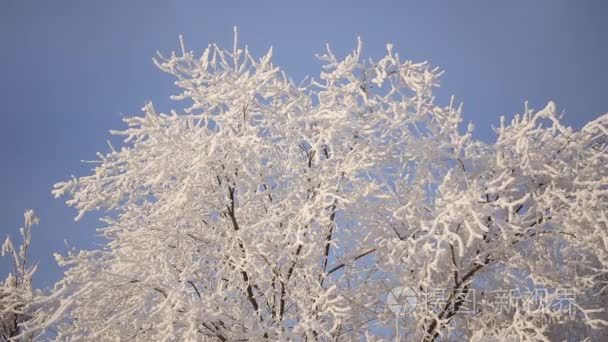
x,y
70,69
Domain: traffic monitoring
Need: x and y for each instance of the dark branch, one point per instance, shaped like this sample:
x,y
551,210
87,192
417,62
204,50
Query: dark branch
x,y
339,266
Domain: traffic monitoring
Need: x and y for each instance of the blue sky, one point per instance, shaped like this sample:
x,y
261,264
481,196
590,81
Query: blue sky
x,y
70,70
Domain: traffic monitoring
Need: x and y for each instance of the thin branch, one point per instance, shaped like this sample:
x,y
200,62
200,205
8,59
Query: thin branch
x,y
195,289
339,266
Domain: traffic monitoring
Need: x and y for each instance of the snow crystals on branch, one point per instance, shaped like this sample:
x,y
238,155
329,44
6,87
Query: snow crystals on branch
x,y
17,293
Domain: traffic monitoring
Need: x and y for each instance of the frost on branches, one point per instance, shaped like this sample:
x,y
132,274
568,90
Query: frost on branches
x,y
270,210
16,292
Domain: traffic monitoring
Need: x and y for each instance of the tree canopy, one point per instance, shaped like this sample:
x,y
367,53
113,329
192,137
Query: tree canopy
x,y
273,210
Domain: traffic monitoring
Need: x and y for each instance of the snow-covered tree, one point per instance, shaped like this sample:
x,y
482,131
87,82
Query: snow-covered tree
x,y
270,210
16,292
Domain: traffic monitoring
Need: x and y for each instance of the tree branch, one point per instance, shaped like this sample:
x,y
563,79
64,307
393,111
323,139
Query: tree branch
x,y
339,266
235,225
